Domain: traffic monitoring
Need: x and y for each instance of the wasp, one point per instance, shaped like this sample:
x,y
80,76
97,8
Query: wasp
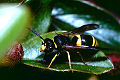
x,y
62,44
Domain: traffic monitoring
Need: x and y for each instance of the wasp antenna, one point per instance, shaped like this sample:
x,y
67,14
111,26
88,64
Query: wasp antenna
x,y
35,33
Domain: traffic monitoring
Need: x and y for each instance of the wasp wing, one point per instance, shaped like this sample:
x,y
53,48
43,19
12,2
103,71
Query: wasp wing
x,y
84,28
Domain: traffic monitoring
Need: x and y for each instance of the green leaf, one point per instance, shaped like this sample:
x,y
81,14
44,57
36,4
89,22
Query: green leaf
x,y
41,15
60,25
12,25
78,13
33,57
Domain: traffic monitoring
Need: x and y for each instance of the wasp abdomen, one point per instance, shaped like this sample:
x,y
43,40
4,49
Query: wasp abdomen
x,y
84,39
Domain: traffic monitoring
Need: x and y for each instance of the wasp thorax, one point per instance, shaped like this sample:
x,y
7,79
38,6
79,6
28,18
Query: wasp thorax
x,y
47,45
61,40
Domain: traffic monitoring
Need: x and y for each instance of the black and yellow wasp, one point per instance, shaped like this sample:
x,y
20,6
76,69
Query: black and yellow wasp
x,y
62,44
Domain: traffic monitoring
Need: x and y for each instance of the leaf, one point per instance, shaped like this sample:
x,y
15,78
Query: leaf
x,y
12,25
33,57
41,10
78,13
57,24
82,11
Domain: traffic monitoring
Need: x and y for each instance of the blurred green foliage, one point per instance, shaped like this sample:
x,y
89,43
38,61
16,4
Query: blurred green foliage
x,y
13,20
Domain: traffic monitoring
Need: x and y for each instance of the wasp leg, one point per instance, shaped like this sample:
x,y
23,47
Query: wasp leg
x,y
82,59
52,60
69,61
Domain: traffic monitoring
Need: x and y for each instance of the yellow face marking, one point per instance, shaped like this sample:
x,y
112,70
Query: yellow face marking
x,y
42,41
78,43
94,41
54,43
43,47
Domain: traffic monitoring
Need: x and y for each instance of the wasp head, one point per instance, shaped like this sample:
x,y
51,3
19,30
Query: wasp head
x,y
47,45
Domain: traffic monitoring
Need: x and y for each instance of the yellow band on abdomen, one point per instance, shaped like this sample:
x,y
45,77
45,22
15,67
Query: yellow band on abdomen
x,y
78,43
94,41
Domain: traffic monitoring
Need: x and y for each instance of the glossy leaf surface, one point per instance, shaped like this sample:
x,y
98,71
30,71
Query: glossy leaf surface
x,y
78,13
41,15
33,57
